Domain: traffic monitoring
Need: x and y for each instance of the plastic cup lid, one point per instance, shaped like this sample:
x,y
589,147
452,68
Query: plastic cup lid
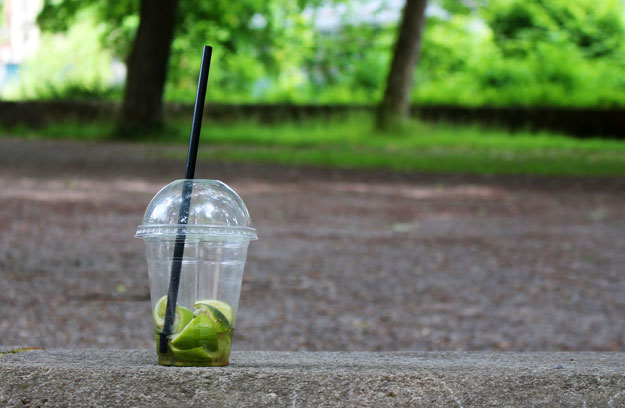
x,y
215,211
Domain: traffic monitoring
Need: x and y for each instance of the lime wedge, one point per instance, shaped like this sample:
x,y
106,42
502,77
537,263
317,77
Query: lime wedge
x,y
219,311
183,315
225,343
200,332
192,354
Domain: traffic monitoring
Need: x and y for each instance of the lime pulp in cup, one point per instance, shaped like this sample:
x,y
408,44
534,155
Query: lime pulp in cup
x,y
200,338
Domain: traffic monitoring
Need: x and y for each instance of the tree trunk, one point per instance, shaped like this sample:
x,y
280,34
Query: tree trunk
x,y
147,67
396,102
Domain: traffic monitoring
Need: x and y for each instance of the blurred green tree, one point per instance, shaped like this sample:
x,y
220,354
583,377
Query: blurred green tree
x,y
396,102
143,32
482,52
142,107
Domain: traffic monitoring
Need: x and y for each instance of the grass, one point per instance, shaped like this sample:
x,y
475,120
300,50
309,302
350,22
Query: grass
x,y
353,143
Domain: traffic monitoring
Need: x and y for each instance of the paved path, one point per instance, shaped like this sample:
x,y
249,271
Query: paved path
x,y
345,260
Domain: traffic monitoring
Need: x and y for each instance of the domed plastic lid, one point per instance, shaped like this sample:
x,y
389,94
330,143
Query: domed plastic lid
x,y
215,211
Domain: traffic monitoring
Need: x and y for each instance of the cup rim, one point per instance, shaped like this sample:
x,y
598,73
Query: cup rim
x,y
195,231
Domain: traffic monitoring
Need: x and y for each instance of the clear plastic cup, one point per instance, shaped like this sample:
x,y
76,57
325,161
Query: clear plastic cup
x,y
217,234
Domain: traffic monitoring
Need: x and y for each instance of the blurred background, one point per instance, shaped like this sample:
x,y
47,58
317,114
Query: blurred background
x,y
489,52
440,175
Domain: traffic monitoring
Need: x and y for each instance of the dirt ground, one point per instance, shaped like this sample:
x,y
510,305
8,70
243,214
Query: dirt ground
x,y
347,260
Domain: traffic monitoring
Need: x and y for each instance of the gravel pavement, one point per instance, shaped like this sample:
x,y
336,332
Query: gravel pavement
x,y
347,260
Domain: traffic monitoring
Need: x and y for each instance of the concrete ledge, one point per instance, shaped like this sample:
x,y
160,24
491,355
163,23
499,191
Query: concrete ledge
x,y
131,378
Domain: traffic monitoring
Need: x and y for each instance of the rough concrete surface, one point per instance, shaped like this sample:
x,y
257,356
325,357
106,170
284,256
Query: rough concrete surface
x,y
346,260
315,379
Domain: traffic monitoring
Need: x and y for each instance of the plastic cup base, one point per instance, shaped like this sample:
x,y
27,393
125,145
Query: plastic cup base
x,y
166,360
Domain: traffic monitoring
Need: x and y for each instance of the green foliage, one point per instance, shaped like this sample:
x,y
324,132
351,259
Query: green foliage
x,y
352,142
595,27
540,52
257,50
119,20
50,74
487,52
350,64
58,16
246,52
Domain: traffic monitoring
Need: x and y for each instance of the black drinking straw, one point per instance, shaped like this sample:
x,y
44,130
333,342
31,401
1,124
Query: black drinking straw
x,y
187,189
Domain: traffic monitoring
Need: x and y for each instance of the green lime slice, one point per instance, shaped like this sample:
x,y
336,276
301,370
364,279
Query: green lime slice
x,y
225,343
200,332
183,315
219,311
192,354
